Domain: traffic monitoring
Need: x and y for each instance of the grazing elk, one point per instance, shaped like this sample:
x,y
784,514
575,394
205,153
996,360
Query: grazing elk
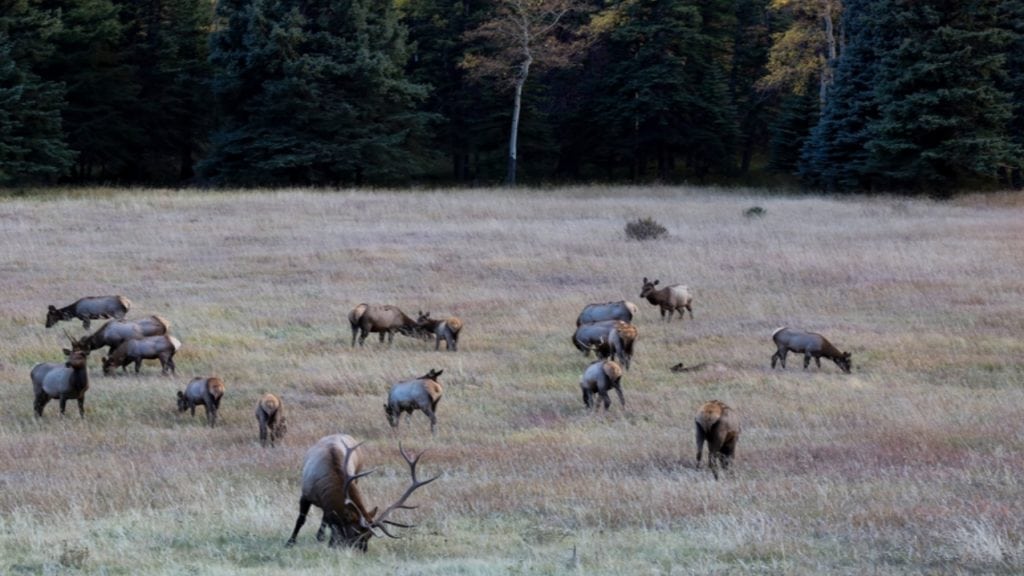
x,y
719,425
621,310
115,332
330,473
422,393
206,392
609,338
64,382
90,308
598,378
448,329
161,348
384,319
811,344
270,415
675,298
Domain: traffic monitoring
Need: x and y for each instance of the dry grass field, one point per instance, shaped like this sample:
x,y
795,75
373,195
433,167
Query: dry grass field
x,y
912,464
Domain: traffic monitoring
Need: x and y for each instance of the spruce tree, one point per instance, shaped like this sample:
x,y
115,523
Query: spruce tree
x,y
312,93
942,116
32,146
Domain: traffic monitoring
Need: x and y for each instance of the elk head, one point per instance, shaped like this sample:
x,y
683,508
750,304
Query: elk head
x,y
648,287
353,525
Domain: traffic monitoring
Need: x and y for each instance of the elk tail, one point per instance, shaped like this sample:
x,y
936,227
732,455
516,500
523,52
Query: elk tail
x,y
175,342
777,330
125,303
163,322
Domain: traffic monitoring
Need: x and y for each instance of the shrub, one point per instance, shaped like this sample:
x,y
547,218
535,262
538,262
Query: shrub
x,y
754,212
645,229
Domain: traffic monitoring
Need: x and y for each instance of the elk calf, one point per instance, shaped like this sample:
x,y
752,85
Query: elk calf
x,y
330,475
422,393
202,391
270,415
89,308
811,345
136,350
675,298
64,382
600,377
719,425
448,329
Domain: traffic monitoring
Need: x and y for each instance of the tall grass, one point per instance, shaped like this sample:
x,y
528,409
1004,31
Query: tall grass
x,y
911,464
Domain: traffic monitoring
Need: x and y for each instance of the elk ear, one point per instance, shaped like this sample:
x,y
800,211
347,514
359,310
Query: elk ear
x,y
66,351
846,355
180,394
645,279
53,308
656,282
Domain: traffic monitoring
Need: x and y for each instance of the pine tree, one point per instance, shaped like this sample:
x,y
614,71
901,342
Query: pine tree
x,y
32,146
312,93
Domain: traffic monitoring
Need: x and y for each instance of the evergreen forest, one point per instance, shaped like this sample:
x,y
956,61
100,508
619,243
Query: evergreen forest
x,y
904,96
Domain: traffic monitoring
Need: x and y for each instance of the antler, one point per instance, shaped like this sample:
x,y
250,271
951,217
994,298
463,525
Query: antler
x,y
350,479
381,519
75,344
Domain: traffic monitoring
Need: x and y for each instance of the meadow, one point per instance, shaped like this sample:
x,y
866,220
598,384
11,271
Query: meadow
x,y
910,465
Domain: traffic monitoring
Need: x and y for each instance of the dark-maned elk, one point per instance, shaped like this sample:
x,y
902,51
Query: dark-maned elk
x,y
621,310
719,425
448,329
675,298
609,338
422,393
598,378
160,348
810,344
115,332
384,319
205,392
330,474
270,416
90,308
67,381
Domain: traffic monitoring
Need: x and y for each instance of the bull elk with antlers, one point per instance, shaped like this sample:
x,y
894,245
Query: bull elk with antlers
x,y
329,481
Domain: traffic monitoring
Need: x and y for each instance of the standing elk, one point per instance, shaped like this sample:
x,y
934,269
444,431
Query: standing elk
x,y
115,332
811,344
448,329
609,338
68,381
206,392
621,310
160,348
270,415
422,393
330,474
89,308
719,425
384,319
598,378
675,298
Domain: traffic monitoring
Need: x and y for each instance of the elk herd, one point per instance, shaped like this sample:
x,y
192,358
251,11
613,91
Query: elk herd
x,y
334,465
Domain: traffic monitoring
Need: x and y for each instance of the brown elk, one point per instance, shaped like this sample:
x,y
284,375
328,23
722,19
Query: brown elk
x,y
330,474
67,381
136,350
422,393
206,392
89,308
621,310
719,425
115,332
448,329
811,344
675,298
384,319
270,416
598,378
609,338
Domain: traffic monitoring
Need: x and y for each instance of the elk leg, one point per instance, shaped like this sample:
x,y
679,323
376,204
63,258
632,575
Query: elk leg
x,y
81,406
713,462
437,343
604,398
85,323
303,510
192,407
391,337
320,533
138,364
355,331
433,418
170,362
700,443
807,360
41,400
586,398
691,311
381,337
63,401
622,399
817,361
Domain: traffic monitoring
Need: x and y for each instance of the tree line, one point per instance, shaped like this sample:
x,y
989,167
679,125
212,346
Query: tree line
x,y
851,95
